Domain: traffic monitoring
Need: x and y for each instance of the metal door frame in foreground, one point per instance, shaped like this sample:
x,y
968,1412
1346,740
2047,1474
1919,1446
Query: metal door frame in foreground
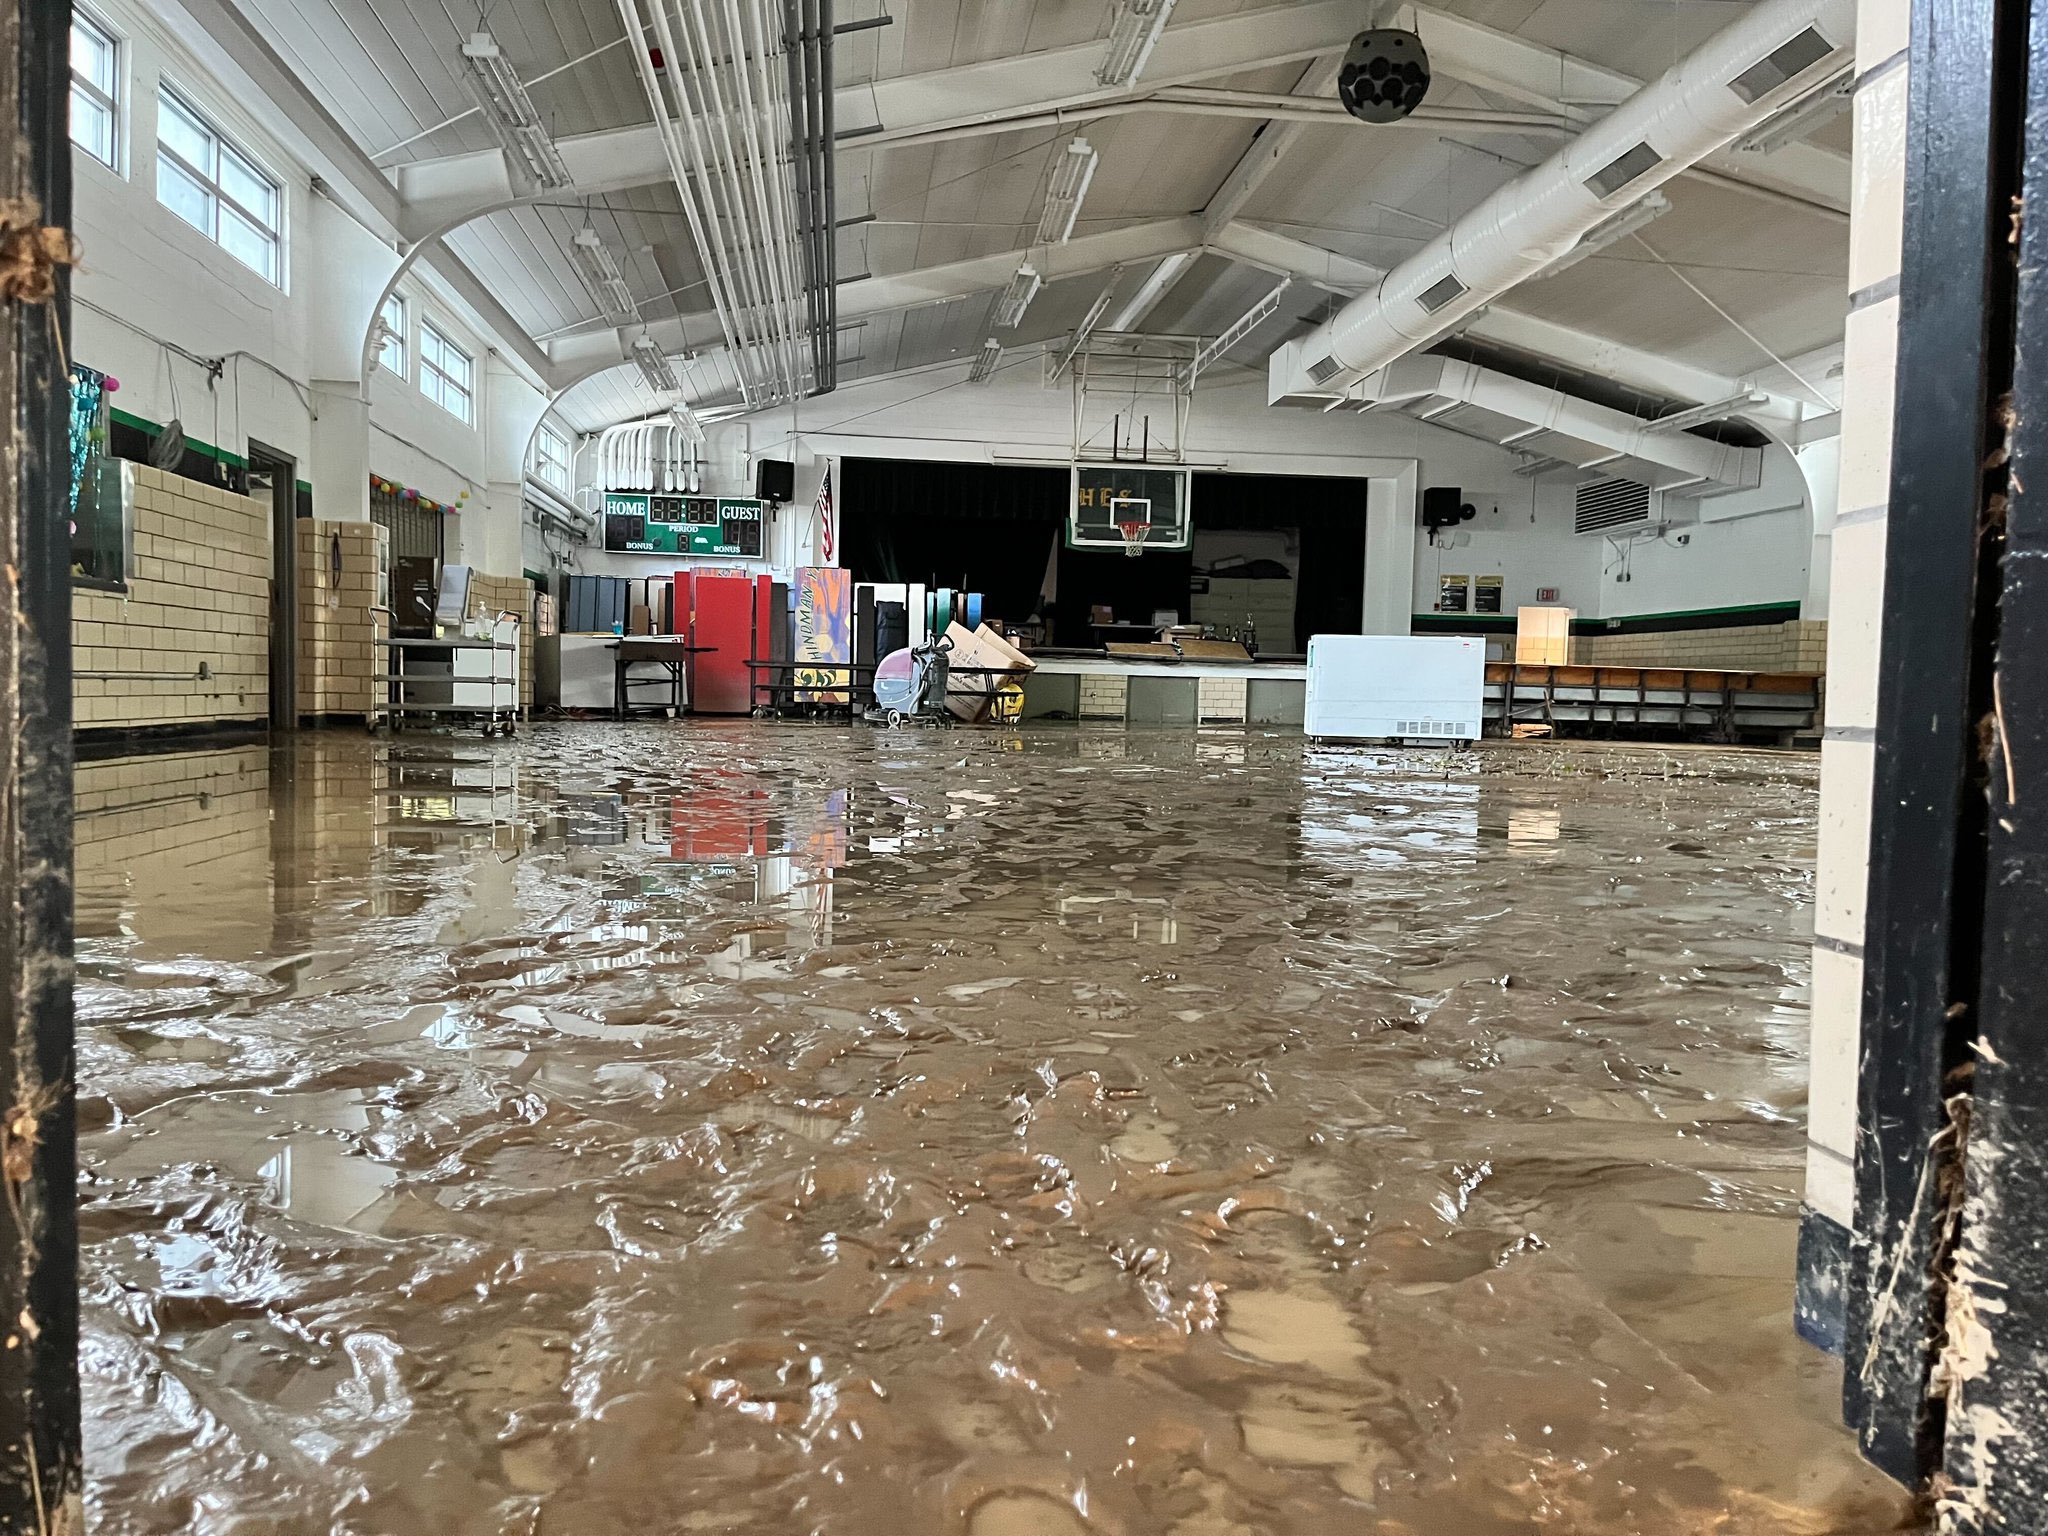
x,y
39,1422
1946,1359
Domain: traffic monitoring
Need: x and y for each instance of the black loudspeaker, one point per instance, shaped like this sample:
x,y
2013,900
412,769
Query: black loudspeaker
x,y
1444,506
775,480
1384,77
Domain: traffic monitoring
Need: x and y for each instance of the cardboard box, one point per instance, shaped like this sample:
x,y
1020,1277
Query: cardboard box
x,y
640,620
968,696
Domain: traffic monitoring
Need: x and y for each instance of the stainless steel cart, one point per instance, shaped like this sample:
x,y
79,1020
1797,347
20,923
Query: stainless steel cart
x,y
432,677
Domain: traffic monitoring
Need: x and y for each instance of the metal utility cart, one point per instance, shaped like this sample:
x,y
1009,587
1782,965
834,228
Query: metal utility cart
x,y
463,676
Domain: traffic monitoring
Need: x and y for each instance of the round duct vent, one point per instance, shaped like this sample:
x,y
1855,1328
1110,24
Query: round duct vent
x,y
1385,75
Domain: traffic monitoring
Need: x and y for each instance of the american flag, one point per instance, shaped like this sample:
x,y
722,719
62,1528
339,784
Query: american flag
x,y
823,510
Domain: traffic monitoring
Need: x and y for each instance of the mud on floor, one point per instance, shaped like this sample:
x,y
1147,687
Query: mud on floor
x,y
777,1129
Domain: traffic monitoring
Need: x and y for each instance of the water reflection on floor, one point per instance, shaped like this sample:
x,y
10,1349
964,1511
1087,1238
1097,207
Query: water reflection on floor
x,y
784,1129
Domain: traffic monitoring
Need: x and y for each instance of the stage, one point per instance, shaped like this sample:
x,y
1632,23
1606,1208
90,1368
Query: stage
x,y
1143,690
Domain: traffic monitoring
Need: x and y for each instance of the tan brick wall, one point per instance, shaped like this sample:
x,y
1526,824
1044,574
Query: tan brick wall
x,y
1221,698
338,628
1800,646
510,594
1102,698
199,593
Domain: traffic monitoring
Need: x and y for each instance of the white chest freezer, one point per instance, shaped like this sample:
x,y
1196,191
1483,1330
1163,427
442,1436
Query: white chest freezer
x,y
1380,687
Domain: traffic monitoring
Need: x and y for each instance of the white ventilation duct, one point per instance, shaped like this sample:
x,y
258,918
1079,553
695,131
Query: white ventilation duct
x,y
1433,388
1737,79
650,456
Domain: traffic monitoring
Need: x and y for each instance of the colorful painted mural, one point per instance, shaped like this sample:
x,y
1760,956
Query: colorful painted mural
x,y
824,633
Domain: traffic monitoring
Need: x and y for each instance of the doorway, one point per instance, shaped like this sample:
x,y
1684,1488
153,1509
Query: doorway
x,y
273,477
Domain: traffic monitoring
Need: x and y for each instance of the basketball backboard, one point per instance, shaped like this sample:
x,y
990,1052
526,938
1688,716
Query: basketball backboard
x,y
1105,494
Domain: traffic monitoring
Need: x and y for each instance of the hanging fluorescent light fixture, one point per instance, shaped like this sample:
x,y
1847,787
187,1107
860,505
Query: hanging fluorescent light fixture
x,y
1134,27
1802,116
1017,297
599,270
1611,231
985,365
686,422
1065,192
535,162
655,367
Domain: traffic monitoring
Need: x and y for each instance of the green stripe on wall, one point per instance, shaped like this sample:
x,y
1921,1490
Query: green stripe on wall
x,y
205,450
1678,618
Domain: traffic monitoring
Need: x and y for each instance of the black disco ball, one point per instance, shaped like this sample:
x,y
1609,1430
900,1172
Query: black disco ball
x,y
1385,75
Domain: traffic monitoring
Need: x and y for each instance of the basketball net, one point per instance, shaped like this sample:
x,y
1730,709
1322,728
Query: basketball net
x,y
1133,530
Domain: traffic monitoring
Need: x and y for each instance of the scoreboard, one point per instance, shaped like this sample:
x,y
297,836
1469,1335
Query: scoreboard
x,y
637,523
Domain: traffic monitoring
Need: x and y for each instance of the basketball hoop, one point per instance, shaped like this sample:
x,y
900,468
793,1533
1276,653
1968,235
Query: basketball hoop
x,y
1133,529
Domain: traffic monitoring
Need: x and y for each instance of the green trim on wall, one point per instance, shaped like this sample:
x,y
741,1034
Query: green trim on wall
x,y
1638,623
1697,613
1483,620
205,450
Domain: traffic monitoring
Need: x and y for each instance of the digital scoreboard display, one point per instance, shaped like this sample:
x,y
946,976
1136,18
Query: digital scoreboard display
x,y
636,523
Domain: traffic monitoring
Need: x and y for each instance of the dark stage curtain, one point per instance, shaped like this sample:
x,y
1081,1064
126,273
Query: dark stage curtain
x,y
989,528
979,527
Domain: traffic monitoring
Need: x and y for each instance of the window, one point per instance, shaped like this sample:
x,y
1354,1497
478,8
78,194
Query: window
x,y
216,188
551,458
95,90
392,353
446,372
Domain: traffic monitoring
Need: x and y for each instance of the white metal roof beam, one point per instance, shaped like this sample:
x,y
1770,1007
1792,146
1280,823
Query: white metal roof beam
x,y
364,192
1285,256
1065,77
993,95
1153,290
578,356
1268,149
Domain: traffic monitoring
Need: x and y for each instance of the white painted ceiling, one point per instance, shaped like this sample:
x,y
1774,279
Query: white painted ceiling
x,y
387,72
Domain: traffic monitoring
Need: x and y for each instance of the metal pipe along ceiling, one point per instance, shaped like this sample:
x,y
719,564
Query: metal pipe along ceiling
x,y
1731,83
741,103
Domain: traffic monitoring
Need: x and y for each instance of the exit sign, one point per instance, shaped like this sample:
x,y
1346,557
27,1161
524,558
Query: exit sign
x,y
1546,594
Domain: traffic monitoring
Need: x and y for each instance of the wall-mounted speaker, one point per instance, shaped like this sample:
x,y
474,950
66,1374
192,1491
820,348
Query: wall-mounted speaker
x,y
1445,506
1385,75
775,480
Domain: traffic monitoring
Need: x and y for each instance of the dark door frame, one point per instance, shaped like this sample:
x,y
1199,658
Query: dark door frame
x,y
1947,1304
284,570
39,1423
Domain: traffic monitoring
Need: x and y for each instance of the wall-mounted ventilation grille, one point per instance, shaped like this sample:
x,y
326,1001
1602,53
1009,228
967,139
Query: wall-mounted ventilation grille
x,y
1781,64
1325,370
1604,505
1440,293
1622,170
1465,728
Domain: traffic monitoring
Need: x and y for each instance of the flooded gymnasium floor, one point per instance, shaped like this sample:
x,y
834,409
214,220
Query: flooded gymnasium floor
x,y
775,1129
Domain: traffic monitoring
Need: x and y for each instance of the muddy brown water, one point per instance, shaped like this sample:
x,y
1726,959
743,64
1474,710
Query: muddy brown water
x,y
746,1128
